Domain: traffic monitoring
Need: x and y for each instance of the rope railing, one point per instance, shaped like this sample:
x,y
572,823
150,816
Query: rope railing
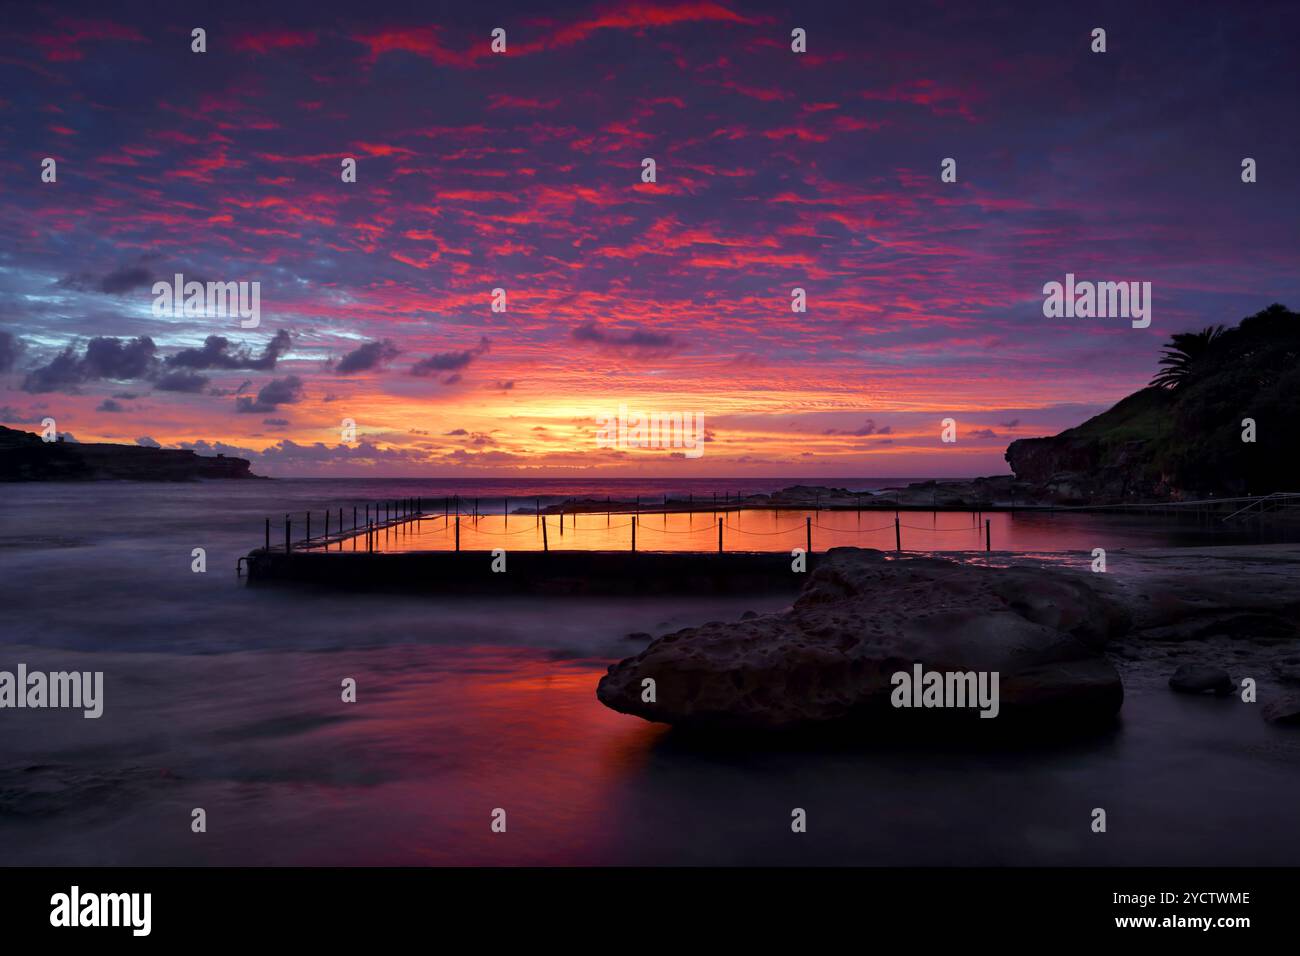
x,y
389,515
883,527
765,533
477,530
650,527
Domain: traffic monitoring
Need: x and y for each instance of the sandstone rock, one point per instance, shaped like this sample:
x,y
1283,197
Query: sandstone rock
x,y
1201,679
861,618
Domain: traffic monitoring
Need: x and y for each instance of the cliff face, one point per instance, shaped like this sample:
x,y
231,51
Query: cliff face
x,y
1107,459
24,457
1186,441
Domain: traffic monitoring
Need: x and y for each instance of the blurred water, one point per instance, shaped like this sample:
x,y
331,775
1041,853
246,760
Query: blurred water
x,y
229,699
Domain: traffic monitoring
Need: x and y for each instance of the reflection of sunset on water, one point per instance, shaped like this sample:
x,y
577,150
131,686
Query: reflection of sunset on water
x,y
484,728
766,530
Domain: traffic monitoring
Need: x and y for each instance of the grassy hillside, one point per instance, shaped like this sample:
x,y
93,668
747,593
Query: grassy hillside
x,y
1182,435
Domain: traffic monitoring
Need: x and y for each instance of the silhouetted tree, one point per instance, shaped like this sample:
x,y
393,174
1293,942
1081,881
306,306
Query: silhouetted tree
x,y
1182,353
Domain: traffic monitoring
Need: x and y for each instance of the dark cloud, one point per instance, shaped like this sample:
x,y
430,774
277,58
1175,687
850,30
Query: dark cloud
x,y
983,433
457,431
277,392
1011,424
244,386
288,452
105,358
181,380
10,347
217,354
635,340
367,356
506,386
869,427
116,282
109,405
147,442
276,422
450,361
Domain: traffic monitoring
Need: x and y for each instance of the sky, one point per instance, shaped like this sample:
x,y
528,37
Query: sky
x,y
523,171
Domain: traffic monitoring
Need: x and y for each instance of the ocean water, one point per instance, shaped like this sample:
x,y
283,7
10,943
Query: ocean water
x,y
228,699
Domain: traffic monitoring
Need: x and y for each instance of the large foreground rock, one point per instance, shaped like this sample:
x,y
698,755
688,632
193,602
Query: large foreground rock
x,y
861,618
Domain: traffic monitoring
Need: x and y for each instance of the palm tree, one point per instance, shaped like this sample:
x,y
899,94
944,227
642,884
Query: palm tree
x,y
1182,352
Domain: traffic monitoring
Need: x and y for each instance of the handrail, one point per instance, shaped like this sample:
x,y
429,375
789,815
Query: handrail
x,y
1275,496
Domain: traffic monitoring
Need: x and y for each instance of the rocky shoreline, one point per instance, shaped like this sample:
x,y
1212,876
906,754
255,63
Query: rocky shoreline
x,y
25,457
1063,639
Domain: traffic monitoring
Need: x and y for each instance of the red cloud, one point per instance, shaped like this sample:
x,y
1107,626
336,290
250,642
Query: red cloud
x,y
273,40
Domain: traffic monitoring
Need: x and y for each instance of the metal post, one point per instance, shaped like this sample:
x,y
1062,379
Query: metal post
x,y
808,526
287,546
370,537
308,538
719,536
634,533
988,535
268,534
457,532
546,546
327,523
539,512
561,521
898,535
505,510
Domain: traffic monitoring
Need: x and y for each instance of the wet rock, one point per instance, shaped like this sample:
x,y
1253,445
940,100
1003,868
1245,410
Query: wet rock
x,y
1282,709
1201,679
829,660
